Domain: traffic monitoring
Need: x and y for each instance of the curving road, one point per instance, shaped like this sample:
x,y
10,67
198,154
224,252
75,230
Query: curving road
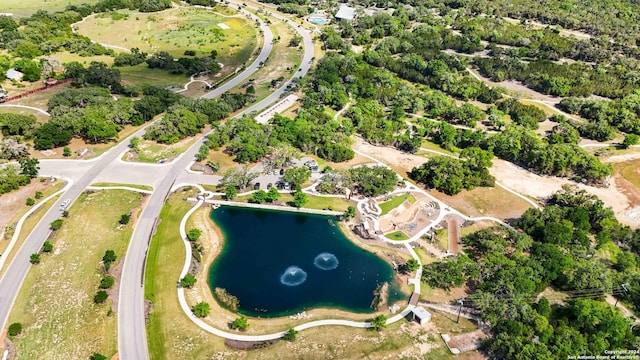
x,y
132,342
132,336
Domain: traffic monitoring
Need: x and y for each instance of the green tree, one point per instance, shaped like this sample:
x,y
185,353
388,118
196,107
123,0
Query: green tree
x,y
107,282
240,323
109,258
124,219
273,195
379,322
97,356
194,234
38,195
56,224
350,212
629,140
65,214
134,144
412,264
258,197
66,151
290,335
15,329
34,259
625,261
47,247
100,297
188,281
30,167
203,153
230,192
30,202
299,199
297,176
201,309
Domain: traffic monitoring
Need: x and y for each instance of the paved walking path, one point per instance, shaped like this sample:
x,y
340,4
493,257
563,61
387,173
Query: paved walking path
x,y
235,336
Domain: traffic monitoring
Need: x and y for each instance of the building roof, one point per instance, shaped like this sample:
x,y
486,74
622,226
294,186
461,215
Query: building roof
x,y
13,74
346,13
421,313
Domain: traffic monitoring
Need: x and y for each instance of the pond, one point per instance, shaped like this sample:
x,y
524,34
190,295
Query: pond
x,y
281,263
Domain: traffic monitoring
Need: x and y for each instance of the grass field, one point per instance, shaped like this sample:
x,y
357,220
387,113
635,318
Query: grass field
x,y
21,8
397,235
483,201
135,186
176,30
153,152
28,224
395,202
55,303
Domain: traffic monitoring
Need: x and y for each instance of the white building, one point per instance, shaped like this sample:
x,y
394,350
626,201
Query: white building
x,y
420,315
346,13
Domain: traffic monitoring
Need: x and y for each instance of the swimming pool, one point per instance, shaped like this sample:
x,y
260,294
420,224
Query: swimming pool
x,y
318,21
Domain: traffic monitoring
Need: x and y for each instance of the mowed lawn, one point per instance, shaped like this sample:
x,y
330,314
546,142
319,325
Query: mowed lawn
x,y
55,304
174,31
170,333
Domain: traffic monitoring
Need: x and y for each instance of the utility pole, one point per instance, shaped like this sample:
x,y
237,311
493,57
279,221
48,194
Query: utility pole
x,y
460,302
624,287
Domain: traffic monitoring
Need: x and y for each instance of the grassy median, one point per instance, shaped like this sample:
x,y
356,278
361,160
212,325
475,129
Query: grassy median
x,y
55,304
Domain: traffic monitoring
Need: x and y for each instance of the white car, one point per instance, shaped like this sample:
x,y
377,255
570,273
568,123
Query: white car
x,y
64,205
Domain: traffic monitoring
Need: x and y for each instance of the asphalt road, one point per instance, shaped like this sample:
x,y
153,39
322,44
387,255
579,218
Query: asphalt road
x,y
262,57
132,342
16,271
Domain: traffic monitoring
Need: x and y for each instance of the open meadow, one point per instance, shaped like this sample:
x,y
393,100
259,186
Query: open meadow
x,y
55,304
22,8
174,31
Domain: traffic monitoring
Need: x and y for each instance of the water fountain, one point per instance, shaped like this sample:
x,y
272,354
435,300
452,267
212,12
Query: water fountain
x,y
326,261
293,276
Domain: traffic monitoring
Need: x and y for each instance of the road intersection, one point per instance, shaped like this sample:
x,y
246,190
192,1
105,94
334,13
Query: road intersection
x,y
108,167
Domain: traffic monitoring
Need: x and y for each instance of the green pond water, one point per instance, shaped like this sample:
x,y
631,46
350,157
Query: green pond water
x,y
281,263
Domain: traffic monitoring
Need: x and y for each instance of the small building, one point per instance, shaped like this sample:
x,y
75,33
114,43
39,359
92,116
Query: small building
x,y
346,13
420,315
50,82
13,74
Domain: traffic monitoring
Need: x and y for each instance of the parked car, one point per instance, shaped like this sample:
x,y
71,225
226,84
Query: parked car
x,y
281,172
256,186
269,186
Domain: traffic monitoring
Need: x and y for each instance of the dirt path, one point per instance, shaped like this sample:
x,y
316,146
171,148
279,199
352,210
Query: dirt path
x,y
453,225
542,187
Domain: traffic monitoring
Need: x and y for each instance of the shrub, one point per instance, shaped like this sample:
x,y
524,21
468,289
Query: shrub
x,y
107,282
15,329
30,202
188,281
100,297
97,356
47,246
290,335
38,195
56,224
201,309
194,234
240,323
34,259
124,219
